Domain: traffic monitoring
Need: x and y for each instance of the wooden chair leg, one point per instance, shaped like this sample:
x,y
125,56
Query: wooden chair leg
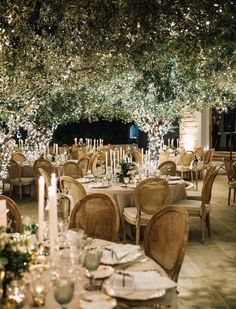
x,y
208,224
203,230
137,234
124,233
229,197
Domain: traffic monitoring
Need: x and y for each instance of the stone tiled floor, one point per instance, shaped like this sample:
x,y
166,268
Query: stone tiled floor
x,y
208,274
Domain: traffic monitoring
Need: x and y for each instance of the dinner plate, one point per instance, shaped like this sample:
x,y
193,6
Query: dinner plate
x,y
174,182
99,186
96,300
102,272
85,180
124,286
174,177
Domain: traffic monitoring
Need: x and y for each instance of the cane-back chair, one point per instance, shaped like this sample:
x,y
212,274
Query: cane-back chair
x,y
73,187
231,174
18,157
14,221
201,209
44,164
168,168
185,167
149,196
72,169
166,237
16,180
84,164
97,215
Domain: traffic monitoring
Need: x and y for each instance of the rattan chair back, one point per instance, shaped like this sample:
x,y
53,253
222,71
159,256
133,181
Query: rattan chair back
x,y
84,164
94,164
66,148
18,157
230,169
72,169
207,187
44,164
208,157
13,215
137,156
97,215
168,168
14,170
199,152
166,237
187,157
75,188
150,195
46,177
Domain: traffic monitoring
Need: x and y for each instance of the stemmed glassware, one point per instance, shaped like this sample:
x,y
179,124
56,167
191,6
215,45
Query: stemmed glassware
x,y
126,181
63,290
91,262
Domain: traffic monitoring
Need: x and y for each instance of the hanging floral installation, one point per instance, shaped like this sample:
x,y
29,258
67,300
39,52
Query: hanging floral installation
x,y
61,61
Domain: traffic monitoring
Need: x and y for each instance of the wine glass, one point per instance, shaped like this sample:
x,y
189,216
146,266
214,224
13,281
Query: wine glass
x,y
91,262
126,181
63,290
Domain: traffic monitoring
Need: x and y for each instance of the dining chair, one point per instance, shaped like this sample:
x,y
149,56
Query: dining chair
x,y
18,157
201,209
74,188
13,215
137,155
166,237
44,164
97,215
84,164
149,196
168,168
72,169
207,158
185,167
197,195
199,152
231,175
16,180
66,148
94,164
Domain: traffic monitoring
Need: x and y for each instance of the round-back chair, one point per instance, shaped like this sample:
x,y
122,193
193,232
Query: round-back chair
x,y
84,164
166,237
168,168
72,169
44,164
149,196
13,214
74,187
97,215
18,157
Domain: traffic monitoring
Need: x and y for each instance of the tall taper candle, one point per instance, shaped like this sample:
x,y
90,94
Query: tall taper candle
x,y
41,208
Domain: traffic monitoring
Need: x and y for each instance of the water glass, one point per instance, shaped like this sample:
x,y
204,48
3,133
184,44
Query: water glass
x,y
64,290
91,262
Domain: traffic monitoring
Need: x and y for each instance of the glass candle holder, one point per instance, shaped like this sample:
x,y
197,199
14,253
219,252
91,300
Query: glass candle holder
x,y
38,291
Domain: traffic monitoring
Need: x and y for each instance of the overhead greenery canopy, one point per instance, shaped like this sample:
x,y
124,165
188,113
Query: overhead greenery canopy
x,y
65,60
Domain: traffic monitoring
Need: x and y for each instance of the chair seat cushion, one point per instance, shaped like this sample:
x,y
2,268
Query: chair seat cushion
x,y
24,181
194,195
192,206
131,213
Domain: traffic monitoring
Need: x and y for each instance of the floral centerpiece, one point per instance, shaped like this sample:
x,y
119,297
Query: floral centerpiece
x,y
14,257
126,169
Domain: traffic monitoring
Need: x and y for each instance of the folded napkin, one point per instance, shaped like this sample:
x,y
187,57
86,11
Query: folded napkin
x,y
116,252
143,280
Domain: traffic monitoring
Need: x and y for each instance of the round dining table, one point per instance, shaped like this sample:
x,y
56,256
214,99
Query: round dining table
x,y
169,298
123,195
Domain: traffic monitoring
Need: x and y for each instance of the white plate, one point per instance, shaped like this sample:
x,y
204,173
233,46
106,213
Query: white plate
x,y
108,258
114,287
96,300
98,186
103,271
85,180
174,182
